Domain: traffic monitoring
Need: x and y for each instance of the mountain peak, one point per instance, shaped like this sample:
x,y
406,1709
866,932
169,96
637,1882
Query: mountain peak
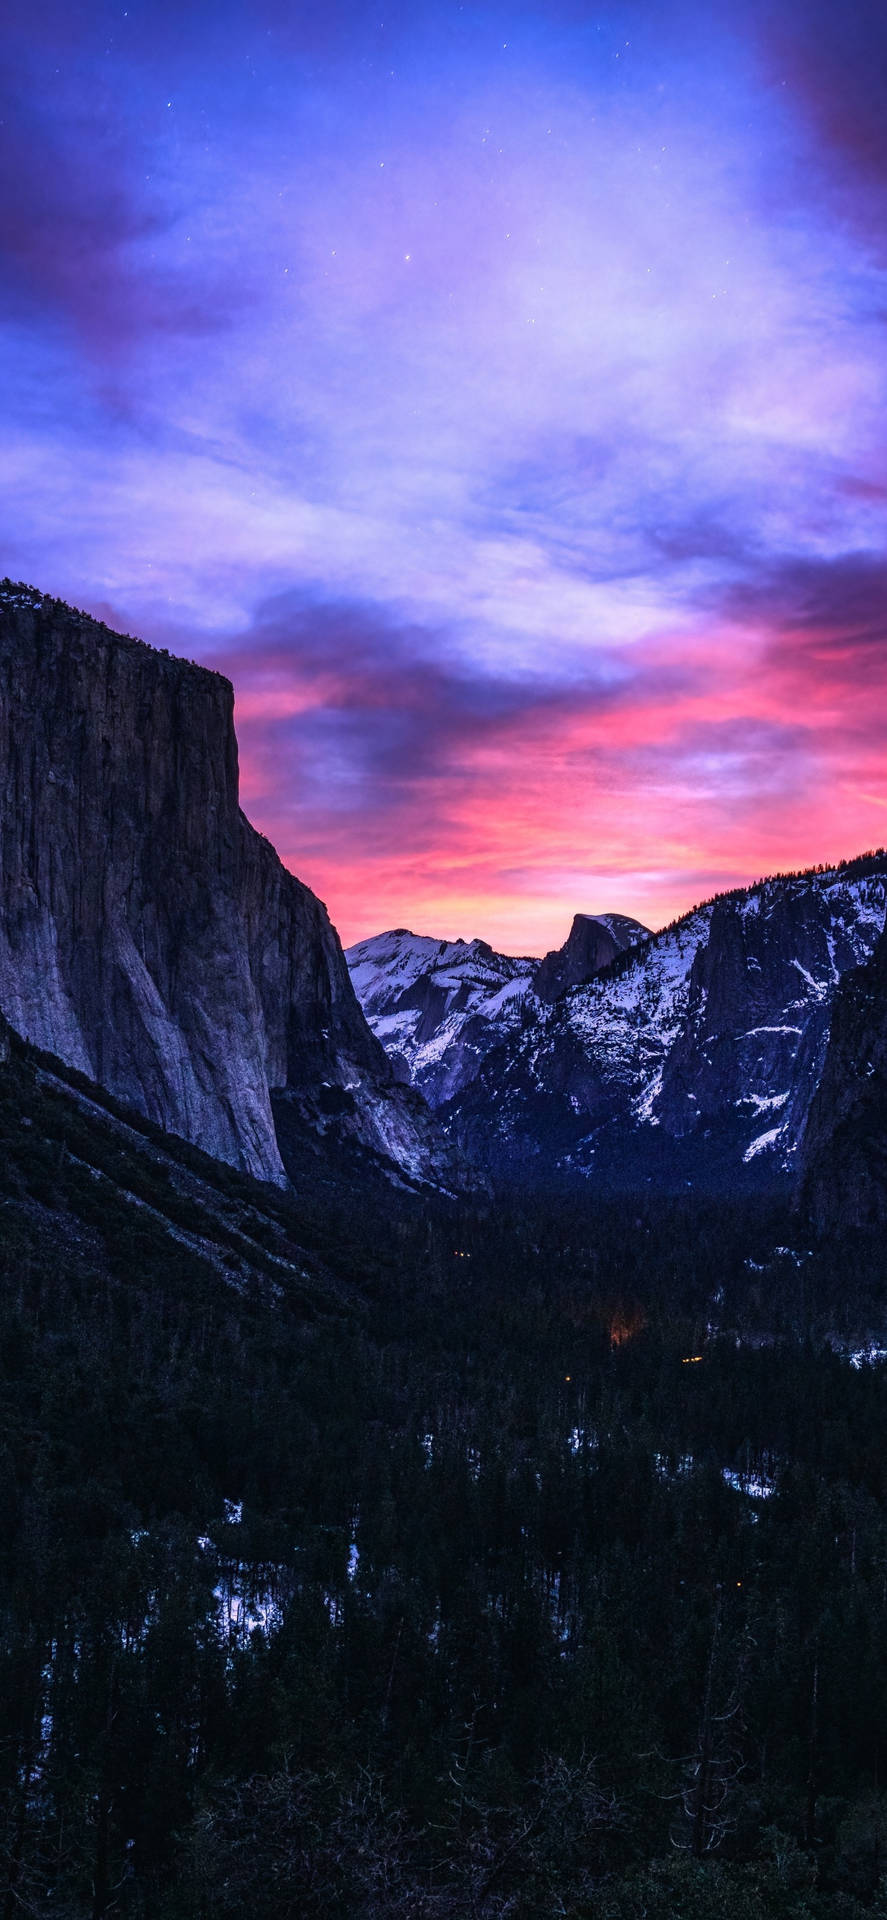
x,y
593,942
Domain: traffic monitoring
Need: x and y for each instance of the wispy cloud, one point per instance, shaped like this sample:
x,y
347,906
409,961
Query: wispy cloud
x,y
498,394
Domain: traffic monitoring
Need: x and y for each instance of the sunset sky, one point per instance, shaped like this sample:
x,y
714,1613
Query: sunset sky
x,y
498,394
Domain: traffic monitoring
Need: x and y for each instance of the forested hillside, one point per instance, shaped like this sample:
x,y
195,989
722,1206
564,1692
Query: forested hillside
x,y
439,1562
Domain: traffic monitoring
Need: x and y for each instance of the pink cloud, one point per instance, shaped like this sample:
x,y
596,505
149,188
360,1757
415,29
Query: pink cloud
x,y
405,789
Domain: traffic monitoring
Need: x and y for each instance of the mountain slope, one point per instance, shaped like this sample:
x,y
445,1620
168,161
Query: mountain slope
x,y
439,1006
845,1141
696,1052
149,937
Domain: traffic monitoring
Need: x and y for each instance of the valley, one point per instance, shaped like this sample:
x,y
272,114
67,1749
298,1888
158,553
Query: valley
x,y
438,1482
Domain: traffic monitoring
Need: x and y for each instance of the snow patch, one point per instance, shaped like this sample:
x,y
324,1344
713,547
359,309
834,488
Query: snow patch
x,y
755,1485
763,1143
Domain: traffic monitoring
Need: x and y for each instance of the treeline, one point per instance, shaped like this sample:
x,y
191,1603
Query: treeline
x,y
860,866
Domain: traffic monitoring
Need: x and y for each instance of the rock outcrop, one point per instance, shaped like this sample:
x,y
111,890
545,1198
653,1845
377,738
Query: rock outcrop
x,y
149,936
591,945
845,1142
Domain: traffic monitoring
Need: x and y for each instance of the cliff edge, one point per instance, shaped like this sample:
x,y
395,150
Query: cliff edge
x,y
149,936
845,1143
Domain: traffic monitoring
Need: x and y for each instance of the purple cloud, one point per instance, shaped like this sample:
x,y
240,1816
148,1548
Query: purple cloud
x,y
509,382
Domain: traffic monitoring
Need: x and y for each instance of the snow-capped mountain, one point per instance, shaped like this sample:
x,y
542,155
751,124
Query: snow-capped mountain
x,y
439,1006
695,1052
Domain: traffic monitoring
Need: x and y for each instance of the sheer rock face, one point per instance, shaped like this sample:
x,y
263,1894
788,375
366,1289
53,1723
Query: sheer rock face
x,y
149,936
845,1143
759,1003
589,947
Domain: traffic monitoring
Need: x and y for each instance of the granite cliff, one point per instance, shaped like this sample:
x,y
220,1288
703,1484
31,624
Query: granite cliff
x,y
593,942
149,936
845,1142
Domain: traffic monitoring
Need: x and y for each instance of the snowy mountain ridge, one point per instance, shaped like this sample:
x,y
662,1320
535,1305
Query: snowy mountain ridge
x,y
436,1005
701,1044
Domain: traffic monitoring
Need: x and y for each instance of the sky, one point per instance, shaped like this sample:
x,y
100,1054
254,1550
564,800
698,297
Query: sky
x,y
496,393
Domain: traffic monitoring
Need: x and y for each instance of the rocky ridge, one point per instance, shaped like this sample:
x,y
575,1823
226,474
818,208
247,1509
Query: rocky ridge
x,y
845,1141
439,1006
149,936
696,1052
